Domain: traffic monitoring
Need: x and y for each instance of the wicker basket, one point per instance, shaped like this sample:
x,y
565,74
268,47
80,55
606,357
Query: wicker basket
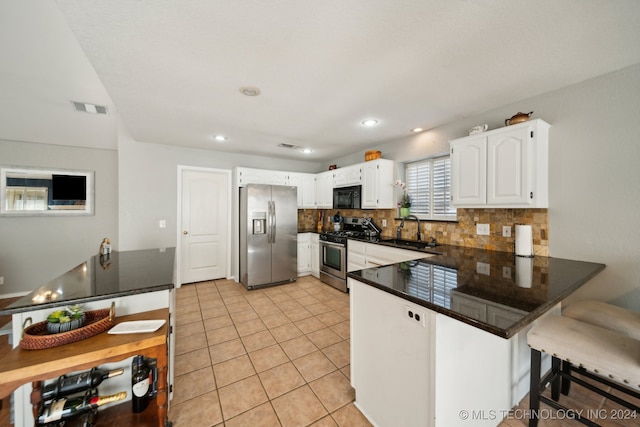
x,y
372,155
36,337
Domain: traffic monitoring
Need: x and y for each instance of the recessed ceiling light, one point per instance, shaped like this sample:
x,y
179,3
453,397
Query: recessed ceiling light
x,y
307,150
250,90
220,138
370,122
416,130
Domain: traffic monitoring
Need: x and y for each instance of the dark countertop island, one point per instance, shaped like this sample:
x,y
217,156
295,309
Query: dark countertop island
x,y
454,278
101,277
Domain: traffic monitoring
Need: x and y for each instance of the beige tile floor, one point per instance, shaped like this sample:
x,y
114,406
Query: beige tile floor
x,y
275,356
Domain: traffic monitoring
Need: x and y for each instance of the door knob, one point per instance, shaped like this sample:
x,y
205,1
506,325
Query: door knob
x,y
185,232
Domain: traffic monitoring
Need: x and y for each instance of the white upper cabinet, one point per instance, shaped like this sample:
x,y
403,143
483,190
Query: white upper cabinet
x,y
324,190
246,176
377,184
306,184
308,191
348,175
503,168
276,178
469,171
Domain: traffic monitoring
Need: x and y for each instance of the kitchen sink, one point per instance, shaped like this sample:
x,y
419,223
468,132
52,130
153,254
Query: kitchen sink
x,y
411,243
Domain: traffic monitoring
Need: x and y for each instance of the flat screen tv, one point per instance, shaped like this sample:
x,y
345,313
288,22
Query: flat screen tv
x,y
69,187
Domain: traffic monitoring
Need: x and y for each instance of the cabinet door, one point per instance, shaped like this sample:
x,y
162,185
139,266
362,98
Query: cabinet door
x,y
315,255
508,170
308,190
324,190
304,254
296,180
346,176
276,177
250,176
469,171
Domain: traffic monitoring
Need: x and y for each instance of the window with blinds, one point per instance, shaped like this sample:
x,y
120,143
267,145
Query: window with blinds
x,y
429,185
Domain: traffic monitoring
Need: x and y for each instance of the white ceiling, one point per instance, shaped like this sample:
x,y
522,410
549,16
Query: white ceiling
x,y
171,70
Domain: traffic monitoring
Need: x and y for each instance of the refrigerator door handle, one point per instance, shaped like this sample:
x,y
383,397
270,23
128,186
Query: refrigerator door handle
x,y
273,222
269,221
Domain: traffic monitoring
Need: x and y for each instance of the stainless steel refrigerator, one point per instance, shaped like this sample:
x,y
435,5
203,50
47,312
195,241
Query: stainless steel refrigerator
x,y
268,235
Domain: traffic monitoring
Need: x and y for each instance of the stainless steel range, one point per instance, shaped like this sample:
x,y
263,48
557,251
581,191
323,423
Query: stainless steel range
x,y
333,249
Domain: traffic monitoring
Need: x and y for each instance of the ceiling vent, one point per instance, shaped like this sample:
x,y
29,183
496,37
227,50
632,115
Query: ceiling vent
x,y
291,146
89,108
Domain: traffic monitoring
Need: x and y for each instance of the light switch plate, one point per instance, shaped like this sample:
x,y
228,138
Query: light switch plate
x,y
482,229
483,268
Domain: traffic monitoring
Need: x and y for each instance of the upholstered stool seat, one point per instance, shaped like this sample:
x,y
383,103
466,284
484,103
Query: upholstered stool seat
x,y
596,349
607,316
602,354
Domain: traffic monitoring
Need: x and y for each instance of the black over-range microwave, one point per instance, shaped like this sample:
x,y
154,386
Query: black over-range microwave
x,y
347,197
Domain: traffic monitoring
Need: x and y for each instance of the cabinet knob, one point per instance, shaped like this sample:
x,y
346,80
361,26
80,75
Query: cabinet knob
x,y
185,232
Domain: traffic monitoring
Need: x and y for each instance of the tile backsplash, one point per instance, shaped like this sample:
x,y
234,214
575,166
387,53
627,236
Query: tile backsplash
x,y
460,233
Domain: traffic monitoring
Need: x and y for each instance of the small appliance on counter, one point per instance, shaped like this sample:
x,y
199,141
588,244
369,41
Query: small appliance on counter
x,y
333,248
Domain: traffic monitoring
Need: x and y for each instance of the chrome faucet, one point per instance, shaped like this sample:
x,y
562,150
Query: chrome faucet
x,y
418,221
399,230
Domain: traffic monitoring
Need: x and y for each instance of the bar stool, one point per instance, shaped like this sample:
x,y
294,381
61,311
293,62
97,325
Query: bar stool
x,y
607,355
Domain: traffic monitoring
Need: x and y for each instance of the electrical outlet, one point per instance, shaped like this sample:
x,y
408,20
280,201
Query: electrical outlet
x,y
483,268
384,222
482,229
162,223
417,316
2,280
506,231
506,272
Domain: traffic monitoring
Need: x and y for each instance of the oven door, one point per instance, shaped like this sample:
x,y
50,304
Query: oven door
x,y
333,259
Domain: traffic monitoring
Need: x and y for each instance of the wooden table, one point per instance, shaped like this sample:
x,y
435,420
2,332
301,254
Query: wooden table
x,y
23,366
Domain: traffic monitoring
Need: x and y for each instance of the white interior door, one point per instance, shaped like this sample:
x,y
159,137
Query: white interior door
x,y
205,225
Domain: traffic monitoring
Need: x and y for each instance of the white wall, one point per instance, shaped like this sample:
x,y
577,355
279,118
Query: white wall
x,y
594,174
36,249
148,186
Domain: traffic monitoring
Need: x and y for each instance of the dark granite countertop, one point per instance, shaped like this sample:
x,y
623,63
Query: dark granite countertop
x,y
455,278
121,274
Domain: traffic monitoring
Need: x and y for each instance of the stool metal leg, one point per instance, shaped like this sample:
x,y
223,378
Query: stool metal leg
x,y
534,388
566,382
555,383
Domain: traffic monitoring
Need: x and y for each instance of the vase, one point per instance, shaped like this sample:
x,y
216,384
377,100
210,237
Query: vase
x,y
405,212
56,328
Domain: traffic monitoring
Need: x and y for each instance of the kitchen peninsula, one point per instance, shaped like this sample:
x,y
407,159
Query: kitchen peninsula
x,y
137,281
441,341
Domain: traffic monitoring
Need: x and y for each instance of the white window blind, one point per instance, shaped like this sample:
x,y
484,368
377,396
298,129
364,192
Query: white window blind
x,y
429,185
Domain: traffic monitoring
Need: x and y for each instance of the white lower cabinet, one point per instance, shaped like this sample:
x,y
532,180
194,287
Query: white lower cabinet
x,y
361,255
437,371
308,254
304,254
315,254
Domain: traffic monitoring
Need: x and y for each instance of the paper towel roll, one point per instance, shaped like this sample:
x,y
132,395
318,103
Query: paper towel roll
x,y
524,240
524,272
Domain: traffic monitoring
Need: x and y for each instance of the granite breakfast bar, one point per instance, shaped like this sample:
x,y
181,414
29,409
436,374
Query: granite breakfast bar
x,y
441,341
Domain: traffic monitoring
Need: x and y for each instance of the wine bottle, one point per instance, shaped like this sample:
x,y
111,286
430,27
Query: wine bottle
x,y
140,385
66,385
63,409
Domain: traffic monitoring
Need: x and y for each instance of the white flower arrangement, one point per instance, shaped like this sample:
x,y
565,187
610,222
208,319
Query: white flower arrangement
x,y
405,201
